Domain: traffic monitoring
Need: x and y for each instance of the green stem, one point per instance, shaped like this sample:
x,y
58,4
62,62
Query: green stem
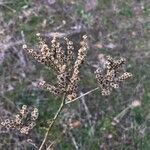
x,y
53,122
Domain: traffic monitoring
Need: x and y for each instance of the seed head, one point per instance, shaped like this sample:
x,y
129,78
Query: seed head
x,y
110,77
62,62
24,121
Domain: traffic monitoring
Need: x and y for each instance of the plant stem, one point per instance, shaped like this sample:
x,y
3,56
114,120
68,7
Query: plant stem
x,y
82,95
53,121
63,103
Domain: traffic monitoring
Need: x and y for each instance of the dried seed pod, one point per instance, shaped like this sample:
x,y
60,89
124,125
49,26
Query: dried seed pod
x,y
62,81
32,125
125,76
23,111
70,49
106,92
18,119
24,130
34,114
72,96
110,75
3,123
114,85
24,107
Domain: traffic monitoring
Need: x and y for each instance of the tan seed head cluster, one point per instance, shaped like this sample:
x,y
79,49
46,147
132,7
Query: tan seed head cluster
x,y
24,121
111,77
63,62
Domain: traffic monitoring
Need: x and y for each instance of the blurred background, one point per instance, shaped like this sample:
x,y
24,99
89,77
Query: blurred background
x,y
114,27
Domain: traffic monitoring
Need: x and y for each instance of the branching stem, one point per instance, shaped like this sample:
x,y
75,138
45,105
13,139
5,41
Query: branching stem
x,y
82,95
63,103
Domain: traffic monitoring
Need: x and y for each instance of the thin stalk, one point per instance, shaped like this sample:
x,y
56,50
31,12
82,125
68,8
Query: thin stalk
x,y
53,121
121,114
82,95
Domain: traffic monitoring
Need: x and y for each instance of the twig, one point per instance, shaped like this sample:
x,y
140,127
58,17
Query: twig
x,y
30,142
83,95
53,121
74,141
68,33
50,146
86,109
23,36
121,114
89,116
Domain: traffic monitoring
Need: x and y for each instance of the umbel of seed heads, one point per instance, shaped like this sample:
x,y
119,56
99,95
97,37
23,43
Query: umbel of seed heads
x,y
112,75
24,121
63,62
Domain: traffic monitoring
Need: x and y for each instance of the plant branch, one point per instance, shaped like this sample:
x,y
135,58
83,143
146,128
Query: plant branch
x,y
53,121
58,112
82,95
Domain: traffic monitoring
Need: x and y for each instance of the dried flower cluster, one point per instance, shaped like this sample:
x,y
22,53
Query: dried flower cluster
x,y
23,122
63,62
112,75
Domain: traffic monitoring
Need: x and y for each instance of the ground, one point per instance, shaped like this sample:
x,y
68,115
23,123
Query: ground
x,y
114,27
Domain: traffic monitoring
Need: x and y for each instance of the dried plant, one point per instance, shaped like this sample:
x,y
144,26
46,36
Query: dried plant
x,y
63,63
23,122
112,75
66,66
